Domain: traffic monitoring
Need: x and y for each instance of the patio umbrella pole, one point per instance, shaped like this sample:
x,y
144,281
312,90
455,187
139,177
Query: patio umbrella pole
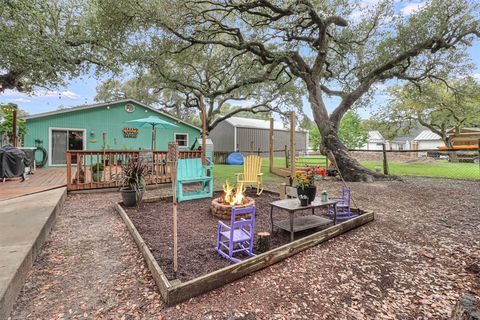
x,y
154,137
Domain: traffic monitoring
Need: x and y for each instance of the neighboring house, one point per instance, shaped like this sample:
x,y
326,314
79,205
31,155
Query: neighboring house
x,y
375,141
87,127
241,134
427,140
405,142
466,137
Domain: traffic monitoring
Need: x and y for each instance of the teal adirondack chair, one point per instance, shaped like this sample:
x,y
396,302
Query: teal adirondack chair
x,y
190,171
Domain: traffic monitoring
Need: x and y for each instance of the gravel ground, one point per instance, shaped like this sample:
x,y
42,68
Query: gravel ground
x,y
411,263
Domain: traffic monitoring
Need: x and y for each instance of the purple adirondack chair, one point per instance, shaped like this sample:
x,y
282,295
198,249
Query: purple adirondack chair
x,y
238,237
343,206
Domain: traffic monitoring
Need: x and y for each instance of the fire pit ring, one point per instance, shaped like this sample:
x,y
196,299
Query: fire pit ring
x,y
224,211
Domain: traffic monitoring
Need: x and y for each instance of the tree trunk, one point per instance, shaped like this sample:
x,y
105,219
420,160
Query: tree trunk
x,y
331,145
452,155
349,167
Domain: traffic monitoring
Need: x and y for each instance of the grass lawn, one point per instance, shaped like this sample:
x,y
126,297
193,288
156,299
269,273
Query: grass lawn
x,y
443,169
223,172
440,168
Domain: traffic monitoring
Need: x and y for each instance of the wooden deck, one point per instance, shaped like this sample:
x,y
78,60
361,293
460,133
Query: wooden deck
x,y
41,180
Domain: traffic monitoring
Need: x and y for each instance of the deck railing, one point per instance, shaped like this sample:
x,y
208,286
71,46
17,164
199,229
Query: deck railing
x,y
84,168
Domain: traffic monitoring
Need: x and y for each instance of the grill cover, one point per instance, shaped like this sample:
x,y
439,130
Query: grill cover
x,y
12,162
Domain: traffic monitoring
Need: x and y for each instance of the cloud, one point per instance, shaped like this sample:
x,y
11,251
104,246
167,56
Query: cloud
x,y
412,8
20,100
12,94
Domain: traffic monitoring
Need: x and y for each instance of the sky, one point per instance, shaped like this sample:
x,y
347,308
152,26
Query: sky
x,y
81,90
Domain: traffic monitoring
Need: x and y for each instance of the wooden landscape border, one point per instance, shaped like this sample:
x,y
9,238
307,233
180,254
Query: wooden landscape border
x,y
174,291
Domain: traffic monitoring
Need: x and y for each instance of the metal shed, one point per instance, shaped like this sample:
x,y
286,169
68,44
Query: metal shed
x,y
244,134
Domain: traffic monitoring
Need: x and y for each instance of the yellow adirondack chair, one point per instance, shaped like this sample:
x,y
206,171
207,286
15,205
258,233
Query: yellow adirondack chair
x,y
251,174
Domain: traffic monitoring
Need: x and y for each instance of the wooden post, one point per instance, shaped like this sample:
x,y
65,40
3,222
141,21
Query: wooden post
x,y
204,136
14,128
251,147
154,137
270,147
385,162
286,156
173,160
69,170
292,143
263,244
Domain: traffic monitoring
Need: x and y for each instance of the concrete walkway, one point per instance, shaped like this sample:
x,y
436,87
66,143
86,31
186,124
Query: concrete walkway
x,y
24,225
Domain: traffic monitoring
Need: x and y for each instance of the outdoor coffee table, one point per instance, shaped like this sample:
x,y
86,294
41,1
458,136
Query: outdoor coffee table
x,y
304,222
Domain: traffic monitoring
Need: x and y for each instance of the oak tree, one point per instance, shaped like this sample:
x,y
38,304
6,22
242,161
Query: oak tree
x,y
335,48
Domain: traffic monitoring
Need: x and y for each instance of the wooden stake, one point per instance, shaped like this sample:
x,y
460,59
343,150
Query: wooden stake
x,y
175,237
172,158
341,177
385,162
292,143
270,149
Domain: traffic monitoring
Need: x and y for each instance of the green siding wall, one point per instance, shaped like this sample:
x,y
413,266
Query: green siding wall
x,y
110,120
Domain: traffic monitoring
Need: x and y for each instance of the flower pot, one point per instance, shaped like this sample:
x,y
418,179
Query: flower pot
x,y
97,176
310,192
129,197
304,202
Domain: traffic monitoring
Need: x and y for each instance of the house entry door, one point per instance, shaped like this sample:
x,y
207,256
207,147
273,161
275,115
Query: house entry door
x,y
63,140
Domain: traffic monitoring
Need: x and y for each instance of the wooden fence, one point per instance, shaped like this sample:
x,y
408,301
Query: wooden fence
x,y
84,168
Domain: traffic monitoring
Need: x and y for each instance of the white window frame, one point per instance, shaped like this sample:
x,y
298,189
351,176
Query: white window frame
x,y
182,133
50,140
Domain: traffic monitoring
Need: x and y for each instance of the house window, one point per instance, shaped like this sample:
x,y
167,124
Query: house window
x,y
181,139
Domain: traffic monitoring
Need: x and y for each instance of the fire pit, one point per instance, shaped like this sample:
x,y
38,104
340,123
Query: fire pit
x,y
232,197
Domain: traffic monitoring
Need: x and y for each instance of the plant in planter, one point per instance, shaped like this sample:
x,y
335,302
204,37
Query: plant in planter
x,y
97,171
303,200
304,180
133,181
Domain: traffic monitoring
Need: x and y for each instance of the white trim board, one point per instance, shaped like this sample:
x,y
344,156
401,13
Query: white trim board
x,y
185,133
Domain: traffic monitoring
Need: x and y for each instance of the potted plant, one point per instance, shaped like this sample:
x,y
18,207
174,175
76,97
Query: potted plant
x,y
303,200
304,180
133,182
97,171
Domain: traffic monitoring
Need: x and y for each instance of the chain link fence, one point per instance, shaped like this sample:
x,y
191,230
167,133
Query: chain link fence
x,y
452,163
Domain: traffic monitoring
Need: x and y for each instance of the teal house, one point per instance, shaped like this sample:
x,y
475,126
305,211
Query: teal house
x,y
103,126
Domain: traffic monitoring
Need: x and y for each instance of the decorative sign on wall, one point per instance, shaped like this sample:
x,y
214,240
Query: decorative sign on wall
x,y
130,132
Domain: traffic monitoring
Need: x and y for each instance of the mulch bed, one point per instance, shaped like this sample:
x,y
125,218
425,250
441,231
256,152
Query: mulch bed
x,y
197,232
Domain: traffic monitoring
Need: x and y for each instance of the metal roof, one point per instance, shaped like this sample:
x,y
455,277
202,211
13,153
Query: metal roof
x,y
427,135
103,104
256,123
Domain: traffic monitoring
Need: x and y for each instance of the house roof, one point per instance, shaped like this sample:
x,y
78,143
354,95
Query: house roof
x,y
465,130
375,136
410,135
256,123
427,135
103,104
